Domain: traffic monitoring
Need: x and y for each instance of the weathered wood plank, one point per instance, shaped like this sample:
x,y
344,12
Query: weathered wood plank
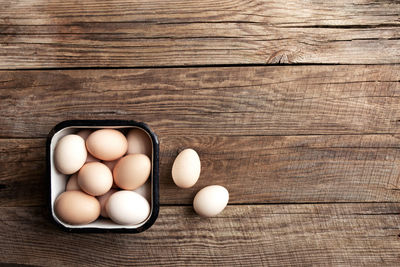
x,y
255,169
274,100
277,235
53,34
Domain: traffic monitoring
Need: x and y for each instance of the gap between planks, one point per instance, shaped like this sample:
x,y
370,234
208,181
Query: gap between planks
x,y
200,66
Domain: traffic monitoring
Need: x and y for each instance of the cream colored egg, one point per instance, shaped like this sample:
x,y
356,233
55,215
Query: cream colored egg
x,y
70,154
72,184
103,201
139,142
107,144
77,208
127,208
186,168
132,171
211,200
95,178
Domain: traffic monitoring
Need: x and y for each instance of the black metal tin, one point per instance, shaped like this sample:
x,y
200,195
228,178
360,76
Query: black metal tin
x,y
155,171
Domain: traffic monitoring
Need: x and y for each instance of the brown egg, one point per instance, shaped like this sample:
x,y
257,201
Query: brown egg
x,y
107,144
72,184
103,202
95,178
139,142
76,207
132,171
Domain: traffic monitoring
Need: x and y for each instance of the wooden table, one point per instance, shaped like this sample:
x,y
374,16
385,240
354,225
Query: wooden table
x,y
294,106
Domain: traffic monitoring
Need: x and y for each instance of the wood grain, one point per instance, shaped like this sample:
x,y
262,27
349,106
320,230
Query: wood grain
x,y
309,153
277,235
120,33
274,100
255,169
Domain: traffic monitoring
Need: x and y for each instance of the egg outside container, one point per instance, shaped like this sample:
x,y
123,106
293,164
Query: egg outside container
x,y
57,181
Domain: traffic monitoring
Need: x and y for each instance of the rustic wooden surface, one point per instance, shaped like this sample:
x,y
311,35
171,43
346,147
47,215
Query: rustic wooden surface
x,y
212,101
248,235
310,153
294,169
62,33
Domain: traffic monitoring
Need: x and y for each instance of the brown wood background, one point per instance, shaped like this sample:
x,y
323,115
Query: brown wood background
x,y
294,106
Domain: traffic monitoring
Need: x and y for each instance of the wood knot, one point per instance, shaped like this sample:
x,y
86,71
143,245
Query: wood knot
x,y
283,57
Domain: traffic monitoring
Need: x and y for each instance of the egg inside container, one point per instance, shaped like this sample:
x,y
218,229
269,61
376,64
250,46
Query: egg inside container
x,y
58,180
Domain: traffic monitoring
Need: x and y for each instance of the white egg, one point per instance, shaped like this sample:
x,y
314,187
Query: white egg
x,y
211,200
127,208
70,154
186,168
